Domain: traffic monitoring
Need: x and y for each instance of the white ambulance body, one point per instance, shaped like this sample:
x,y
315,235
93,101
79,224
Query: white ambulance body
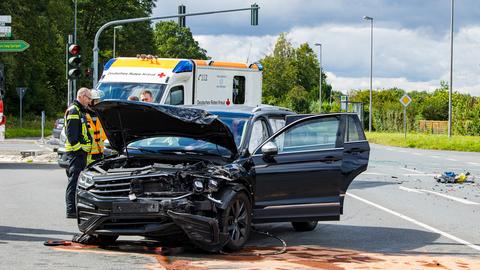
x,y
183,81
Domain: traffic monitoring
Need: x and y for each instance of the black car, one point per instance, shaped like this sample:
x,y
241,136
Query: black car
x,y
210,173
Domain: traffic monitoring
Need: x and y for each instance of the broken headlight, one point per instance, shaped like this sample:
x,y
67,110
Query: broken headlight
x,y
85,181
198,185
213,185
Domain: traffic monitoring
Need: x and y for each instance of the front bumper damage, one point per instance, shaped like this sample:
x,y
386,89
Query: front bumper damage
x,y
150,217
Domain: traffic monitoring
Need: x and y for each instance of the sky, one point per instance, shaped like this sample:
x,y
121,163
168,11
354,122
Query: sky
x,y
411,47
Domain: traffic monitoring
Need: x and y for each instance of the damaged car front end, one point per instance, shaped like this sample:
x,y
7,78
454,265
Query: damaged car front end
x,y
167,181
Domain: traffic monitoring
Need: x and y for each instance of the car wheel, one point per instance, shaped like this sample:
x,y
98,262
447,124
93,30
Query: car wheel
x,y
236,221
305,226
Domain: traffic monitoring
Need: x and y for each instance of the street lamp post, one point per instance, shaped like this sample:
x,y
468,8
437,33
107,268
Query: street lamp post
x,y
114,38
451,73
371,72
320,83
253,14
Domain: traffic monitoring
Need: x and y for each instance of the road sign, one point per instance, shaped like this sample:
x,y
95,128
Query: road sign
x,y
5,19
5,31
5,28
13,45
405,100
21,92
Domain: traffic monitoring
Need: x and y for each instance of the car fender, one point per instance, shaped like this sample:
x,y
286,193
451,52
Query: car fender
x,y
226,194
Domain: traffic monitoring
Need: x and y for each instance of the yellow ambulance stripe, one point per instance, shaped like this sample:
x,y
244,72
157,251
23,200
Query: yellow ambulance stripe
x,y
147,63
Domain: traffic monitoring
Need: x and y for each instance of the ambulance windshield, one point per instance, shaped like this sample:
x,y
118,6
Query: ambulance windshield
x,y
125,91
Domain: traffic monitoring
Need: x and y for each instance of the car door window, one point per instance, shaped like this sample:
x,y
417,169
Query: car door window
x,y
259,134
310,135
354,130
175,97
276,123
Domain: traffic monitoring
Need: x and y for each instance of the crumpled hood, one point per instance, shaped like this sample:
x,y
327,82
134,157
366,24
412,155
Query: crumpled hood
x,y
128,121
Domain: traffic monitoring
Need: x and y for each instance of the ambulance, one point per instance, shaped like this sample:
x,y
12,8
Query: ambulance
x,y
182,81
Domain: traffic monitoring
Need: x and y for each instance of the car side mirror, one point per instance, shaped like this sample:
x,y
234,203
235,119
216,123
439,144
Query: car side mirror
x,y
269,149
106,143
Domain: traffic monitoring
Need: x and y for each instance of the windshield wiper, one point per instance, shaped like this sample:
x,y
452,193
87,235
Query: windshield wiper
x,y
190,152
143,150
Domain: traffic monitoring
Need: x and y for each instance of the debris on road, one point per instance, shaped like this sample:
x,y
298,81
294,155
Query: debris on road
x,y
451,177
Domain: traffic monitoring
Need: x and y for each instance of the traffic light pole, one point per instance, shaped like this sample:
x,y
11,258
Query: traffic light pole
x,y
254,21
69,82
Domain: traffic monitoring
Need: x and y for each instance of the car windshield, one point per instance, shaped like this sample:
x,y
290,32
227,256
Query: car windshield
x,y
125,90
185,144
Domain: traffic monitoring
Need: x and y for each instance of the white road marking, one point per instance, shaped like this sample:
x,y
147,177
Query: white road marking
x,y
410,170
373,173
451,159
421,224
433,156
420,174
391,149
417,154
451,197
423,191
403,151
474,163
410,190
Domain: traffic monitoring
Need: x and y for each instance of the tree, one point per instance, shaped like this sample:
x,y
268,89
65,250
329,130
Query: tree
x,y
280,72
45,25
173,41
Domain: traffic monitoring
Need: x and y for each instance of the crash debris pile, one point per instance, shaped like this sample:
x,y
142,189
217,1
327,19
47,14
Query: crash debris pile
x,y
451,177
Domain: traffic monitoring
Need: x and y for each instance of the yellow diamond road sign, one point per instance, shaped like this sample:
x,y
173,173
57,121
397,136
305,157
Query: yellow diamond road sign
x,y
405,100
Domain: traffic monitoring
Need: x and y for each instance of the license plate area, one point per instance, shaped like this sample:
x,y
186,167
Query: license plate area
x,y
135,207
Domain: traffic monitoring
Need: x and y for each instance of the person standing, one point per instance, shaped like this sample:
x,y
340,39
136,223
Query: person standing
x,y
77,145
96,130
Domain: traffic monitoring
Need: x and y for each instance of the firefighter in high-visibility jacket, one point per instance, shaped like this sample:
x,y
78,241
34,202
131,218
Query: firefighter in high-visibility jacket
x,y
77,145
96,130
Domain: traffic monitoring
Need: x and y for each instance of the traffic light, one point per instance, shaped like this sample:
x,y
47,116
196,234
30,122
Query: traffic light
x,y
74,62
254,15
181,20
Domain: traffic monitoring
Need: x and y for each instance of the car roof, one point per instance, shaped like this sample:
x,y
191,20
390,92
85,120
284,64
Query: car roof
x,y
243,109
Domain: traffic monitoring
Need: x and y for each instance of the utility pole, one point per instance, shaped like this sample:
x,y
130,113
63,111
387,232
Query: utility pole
x,y
114,39
253,19
320,82
74,81
451,73
371,72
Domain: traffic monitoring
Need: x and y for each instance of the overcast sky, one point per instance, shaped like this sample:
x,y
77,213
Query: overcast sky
x,y
411,38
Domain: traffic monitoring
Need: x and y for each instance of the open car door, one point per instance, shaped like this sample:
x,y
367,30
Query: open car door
x,y
299,171
356,152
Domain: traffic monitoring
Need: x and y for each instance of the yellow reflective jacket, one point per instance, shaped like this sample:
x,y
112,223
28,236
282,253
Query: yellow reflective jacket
x,y
76,129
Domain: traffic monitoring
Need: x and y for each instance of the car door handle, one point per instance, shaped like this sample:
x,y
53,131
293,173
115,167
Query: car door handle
x,y
355,151
330,159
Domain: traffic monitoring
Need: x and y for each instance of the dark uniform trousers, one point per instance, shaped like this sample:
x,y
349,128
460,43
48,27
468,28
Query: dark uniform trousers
x,y
77,161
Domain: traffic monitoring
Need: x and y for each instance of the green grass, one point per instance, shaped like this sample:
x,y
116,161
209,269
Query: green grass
x,y
426,141
31,127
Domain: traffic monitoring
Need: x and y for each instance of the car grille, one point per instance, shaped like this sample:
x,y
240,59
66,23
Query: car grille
x,y
123,186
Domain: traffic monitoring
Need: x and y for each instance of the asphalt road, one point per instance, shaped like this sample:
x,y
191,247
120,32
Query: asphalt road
x,y
396,216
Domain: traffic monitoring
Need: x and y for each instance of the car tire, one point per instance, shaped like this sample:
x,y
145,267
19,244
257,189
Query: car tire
x,y
304,226
236,221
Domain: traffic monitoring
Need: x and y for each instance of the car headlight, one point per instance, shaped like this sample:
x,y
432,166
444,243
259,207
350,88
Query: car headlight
x,y
85,181
198,185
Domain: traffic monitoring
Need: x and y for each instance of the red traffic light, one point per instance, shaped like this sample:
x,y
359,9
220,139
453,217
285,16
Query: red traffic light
x,y
74,49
